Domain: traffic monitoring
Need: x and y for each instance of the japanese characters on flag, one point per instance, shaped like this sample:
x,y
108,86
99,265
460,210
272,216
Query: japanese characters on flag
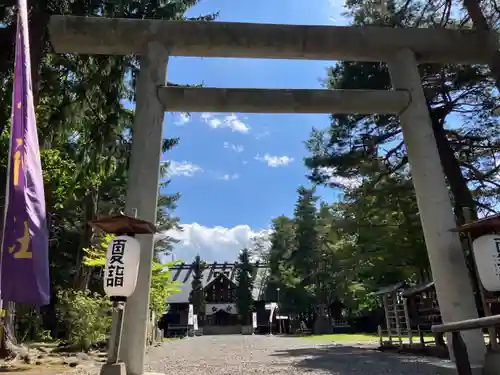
x,y
25,246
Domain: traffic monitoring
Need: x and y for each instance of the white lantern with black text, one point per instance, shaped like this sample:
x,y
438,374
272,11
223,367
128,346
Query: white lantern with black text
x,y
487,255
122,266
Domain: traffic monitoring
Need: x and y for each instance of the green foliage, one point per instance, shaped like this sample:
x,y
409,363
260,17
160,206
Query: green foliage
x,y
85,132
96,256
86,316
162,286
197,295
245,281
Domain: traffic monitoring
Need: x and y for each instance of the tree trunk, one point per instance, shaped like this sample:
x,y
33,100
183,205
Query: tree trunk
x,y
39,19
481,23
82,276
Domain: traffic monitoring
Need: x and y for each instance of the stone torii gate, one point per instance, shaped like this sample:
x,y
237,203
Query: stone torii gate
x,y
402,49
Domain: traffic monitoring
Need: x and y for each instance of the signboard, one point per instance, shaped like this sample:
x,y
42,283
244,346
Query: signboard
x,y
190,315
487,255
270,306
122,266
195,322
254,320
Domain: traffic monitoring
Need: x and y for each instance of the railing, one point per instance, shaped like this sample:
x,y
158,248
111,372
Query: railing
x,y
458,347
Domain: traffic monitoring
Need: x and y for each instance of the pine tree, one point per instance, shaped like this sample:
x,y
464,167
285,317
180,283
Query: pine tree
x,y
197,295
306,235
245,280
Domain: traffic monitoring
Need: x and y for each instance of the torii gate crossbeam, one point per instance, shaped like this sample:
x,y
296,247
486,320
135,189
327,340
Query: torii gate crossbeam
x,y
121,36
402,49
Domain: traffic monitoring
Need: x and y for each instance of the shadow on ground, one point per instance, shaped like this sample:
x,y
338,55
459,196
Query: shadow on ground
x,y
349,360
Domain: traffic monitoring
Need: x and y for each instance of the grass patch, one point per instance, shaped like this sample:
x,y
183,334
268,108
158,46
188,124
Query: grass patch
x,y
344,337
168,339
358,338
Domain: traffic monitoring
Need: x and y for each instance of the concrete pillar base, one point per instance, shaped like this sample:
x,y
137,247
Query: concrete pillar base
x,y
113,369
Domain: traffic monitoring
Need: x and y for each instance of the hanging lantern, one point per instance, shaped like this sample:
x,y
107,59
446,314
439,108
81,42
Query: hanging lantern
x,y
122,266
487,255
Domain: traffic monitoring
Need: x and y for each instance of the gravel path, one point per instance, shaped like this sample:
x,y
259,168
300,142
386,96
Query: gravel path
x,y
235,355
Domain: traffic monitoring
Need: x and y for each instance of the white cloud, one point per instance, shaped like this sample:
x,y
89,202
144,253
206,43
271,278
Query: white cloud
x,y
235,124
183,118
231,122
275,161
262,135
337,9
211,120
183,168
228,177
235,148
332,178
214,243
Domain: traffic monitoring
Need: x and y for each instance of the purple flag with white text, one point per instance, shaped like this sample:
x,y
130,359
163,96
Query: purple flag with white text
x,y
25,262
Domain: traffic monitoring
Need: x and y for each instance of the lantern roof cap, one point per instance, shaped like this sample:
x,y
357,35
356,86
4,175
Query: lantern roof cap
x,y
486,225
121,224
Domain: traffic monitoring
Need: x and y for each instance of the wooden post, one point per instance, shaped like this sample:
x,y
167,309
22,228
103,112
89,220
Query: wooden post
x,y
408,322
387,319
460,354
421,335
380,335
396,316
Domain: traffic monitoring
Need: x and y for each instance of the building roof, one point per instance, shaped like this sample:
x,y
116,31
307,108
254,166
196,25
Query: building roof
x,y
486,225
183,274
417,289
390,288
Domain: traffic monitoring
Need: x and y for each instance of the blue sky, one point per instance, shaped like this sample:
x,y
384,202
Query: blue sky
x,y
237,171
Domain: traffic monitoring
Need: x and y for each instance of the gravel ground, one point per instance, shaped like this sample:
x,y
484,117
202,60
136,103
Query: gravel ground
x,y
224,355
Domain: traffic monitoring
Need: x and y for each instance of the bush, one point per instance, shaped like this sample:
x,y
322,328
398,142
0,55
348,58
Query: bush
x,y
86,316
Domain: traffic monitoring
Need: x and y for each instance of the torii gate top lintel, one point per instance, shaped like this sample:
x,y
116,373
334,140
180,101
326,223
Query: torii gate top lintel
x,y
119,36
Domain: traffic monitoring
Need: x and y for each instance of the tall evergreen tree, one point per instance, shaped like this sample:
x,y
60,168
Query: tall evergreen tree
x,y
244,279
197,295
304,256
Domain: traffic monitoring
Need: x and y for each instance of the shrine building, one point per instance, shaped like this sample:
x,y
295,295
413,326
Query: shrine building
x,y
219,287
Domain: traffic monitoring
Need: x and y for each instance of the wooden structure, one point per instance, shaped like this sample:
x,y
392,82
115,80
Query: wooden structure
x,y
396,314
409,312
423,310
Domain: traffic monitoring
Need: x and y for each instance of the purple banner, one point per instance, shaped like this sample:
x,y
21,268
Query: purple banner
x,y
25,262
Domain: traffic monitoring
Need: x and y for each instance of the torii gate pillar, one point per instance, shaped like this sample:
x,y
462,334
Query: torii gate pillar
x,y
142,194
449,270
